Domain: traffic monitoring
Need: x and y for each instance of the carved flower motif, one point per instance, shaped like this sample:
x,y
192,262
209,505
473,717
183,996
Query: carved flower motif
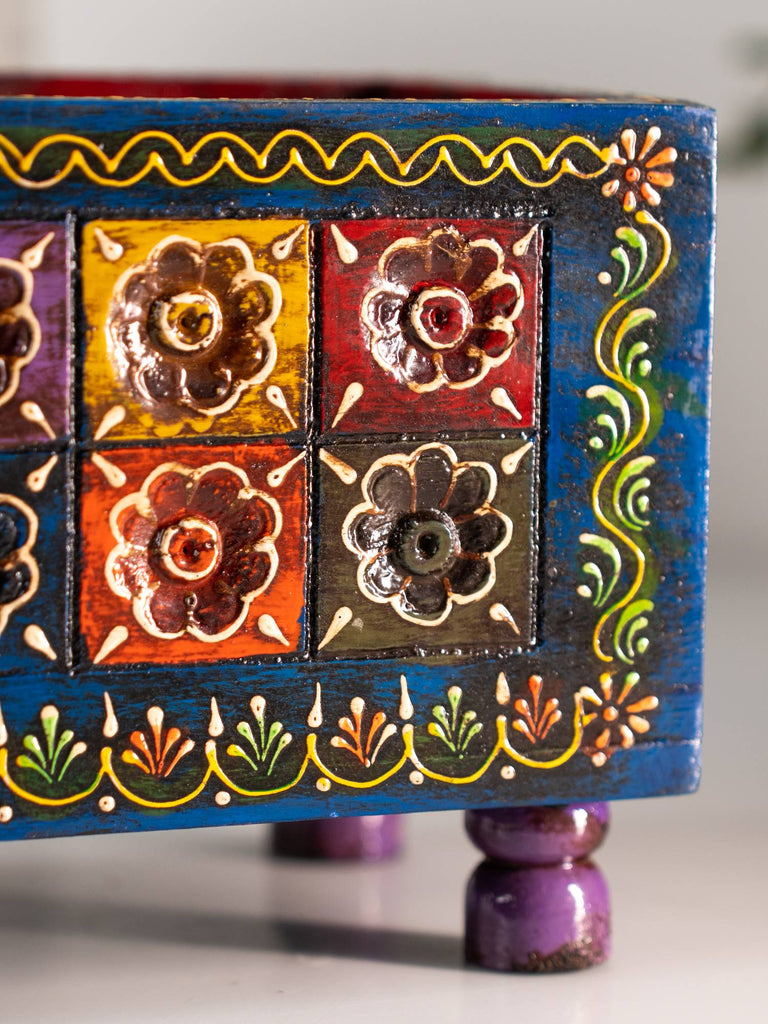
x,y
616,718
19,327
194,548
426,534
445,312
191,326
19,574
641,171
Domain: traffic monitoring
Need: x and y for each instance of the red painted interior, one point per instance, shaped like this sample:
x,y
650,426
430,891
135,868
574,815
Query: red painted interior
x,y
263,89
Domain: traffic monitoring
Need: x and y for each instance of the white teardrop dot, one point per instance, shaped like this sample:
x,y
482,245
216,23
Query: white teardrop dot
x,y
111,726
501,398
323,785
107,804
353,394
406,707
33,257
345,473
341,618
347,252
114,638
110,249
269,628
521,246
501,614
215,724
282,248
503,696
276,397
115,477
222,798
32,413
507,772
112,418
510,462
38,478
276,477
6,813
416,778
35,638
315,719
604,277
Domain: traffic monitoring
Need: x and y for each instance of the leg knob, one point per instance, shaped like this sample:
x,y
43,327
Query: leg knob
x,y
369,838
537,904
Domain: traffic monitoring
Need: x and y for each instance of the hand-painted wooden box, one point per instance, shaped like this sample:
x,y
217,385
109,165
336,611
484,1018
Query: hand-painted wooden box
x,y
353,456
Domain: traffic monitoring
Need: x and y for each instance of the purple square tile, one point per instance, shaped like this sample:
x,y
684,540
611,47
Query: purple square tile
x,y
34,333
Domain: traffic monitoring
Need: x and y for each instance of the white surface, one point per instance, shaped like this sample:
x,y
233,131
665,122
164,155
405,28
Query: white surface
x,y
204,927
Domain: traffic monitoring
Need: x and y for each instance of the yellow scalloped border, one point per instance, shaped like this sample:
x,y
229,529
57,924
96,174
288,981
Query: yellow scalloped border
x,y
502,747
221,150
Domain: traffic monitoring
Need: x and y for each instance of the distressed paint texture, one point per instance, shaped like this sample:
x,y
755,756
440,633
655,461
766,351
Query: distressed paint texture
x,y
249,412
620,657
46,378
355,292
281,513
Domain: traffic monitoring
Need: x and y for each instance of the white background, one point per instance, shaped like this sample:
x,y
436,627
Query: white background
x,y
187,925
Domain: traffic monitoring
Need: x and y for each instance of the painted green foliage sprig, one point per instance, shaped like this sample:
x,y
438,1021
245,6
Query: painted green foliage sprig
x,y
261,749
454,728
52,757
156,749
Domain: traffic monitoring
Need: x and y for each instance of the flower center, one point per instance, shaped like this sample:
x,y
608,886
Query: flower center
x,y
9,534
632,174
189,549
188,322
426,542
440,316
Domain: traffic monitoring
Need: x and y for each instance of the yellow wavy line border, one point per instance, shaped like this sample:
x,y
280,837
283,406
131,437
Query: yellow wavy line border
x,y
236,154
213,769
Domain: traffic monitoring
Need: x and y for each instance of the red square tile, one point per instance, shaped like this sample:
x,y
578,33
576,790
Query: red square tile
x,y
429,325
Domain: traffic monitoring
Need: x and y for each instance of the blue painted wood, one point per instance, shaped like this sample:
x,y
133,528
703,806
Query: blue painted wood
x,y
580,225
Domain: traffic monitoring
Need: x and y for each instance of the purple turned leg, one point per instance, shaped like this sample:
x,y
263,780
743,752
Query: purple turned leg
x,y
370,838
537,903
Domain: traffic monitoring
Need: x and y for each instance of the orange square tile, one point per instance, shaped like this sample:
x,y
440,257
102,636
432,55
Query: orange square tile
x,y
192,553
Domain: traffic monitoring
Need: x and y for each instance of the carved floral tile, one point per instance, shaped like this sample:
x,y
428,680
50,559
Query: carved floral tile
x,y
34,332
193,553
426,547
34,555
195,327
429,322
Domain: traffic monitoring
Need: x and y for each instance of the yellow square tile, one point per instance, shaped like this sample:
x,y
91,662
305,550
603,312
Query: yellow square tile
x,y
195,327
